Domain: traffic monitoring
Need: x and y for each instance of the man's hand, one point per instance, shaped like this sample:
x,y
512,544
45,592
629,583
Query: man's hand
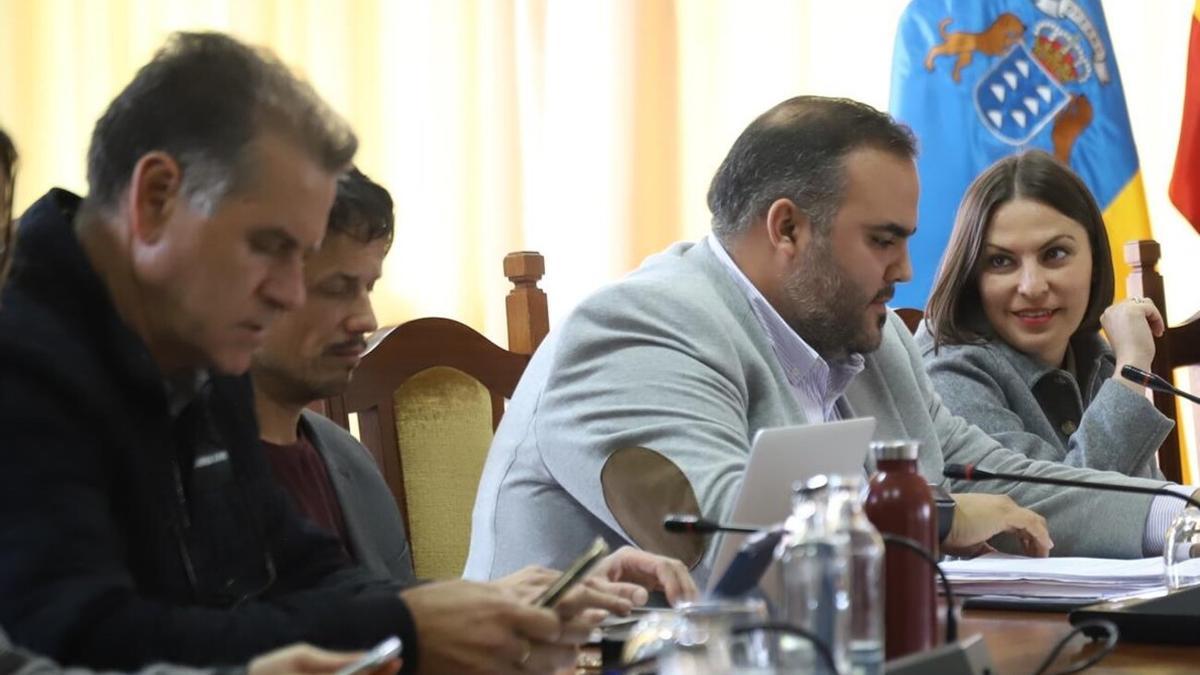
x,y
466,627
302,659
979,517
633,566
618,583
592,593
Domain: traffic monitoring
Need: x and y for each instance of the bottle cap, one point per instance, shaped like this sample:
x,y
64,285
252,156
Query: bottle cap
x,y
891,450
811,486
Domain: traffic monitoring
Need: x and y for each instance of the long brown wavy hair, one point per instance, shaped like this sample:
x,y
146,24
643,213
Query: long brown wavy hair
x,y
954,314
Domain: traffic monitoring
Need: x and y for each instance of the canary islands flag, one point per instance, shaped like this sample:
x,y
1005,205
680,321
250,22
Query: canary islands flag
x,y
980,79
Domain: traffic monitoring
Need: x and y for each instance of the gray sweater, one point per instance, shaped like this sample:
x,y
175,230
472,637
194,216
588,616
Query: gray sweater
x,y
1042,411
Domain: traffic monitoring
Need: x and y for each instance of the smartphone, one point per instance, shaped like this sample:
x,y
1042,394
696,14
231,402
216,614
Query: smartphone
x,y
380,654
573,574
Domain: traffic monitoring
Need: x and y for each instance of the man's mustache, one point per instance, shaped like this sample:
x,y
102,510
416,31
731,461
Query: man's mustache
x,y
353,345
886,294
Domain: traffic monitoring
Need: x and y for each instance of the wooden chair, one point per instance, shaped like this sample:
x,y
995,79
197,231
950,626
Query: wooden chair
x,y
911,318
428,397
1179,347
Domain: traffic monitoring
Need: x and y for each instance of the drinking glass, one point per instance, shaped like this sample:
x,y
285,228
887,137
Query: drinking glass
x,y
1181,552
694,638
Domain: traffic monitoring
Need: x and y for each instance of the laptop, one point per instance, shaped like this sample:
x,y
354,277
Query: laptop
x,y
779,457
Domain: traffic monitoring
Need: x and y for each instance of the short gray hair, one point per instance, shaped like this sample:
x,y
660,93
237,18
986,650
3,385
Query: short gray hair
x,y
202,99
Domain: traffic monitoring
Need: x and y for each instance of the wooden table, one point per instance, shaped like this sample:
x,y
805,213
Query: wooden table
x,y
1018,641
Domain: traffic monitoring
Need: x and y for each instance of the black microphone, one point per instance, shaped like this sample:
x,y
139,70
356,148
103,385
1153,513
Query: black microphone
x,y
681,523
1155,383
970,472
752,559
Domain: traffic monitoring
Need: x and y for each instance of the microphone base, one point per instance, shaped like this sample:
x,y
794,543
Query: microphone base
x,y
968,656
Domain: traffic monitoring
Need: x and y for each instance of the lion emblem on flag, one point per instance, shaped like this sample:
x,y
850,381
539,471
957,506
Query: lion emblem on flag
x,y
1034,80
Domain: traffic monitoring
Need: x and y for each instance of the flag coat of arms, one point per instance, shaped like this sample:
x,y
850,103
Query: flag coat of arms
x,y
981,79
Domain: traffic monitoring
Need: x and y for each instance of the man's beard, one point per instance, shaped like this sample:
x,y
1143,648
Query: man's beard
x,y
826,308
296,387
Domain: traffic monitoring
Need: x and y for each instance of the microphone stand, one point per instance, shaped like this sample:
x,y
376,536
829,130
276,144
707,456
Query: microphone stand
x,y
1155,383
968,472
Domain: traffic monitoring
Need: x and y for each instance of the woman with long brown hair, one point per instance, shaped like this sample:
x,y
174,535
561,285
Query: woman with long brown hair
x,y
1011,336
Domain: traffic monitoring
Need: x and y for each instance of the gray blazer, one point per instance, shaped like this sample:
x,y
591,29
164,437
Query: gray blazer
x,y
671,361
1042,412
373,522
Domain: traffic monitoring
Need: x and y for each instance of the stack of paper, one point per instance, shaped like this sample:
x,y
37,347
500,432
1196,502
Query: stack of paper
x,y
1083,579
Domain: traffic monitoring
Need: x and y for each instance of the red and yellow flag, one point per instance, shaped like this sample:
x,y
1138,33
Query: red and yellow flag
x,y
1185,182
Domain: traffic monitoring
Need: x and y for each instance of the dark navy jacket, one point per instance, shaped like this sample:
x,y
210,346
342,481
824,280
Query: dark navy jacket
x,y
128,536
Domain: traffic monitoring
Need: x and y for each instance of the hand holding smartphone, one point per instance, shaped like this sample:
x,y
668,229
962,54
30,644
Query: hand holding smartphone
x,y
576,572
380,654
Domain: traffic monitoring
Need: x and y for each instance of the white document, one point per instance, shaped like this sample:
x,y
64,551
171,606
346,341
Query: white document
x,y
1084,578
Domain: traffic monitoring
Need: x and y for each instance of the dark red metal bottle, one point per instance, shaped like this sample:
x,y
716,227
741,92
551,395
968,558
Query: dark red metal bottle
x,y
900,502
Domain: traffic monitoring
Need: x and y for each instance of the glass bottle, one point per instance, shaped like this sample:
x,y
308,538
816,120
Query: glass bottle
x,y
815,566
1181,551
864,639
698,638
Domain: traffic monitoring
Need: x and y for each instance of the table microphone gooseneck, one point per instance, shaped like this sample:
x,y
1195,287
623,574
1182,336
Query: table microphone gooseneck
x,y
757,554
1155,383
969,472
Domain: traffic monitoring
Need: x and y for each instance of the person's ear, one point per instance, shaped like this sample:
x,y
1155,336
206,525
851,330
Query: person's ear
x,y
155,190
788,228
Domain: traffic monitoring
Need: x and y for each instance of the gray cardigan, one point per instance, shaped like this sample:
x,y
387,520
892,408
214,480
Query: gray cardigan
x,y
1042,411
669,366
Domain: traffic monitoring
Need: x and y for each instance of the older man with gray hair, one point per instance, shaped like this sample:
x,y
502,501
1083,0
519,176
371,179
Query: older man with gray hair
x,y
138,519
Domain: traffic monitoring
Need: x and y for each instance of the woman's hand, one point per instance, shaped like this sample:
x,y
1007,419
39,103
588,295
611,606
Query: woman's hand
x,y
1131,326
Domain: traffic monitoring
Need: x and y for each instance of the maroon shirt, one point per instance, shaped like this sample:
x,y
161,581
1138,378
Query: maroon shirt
x,y
299,469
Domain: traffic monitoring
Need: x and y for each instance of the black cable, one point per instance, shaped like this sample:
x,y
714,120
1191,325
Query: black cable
x,y
913,545
791,629
1110,643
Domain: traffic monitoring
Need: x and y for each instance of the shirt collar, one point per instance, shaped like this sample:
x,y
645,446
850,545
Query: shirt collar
x,y
799,361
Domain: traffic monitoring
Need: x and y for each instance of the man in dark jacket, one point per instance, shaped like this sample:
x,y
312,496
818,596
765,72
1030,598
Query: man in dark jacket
x,y
138,518
308,355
